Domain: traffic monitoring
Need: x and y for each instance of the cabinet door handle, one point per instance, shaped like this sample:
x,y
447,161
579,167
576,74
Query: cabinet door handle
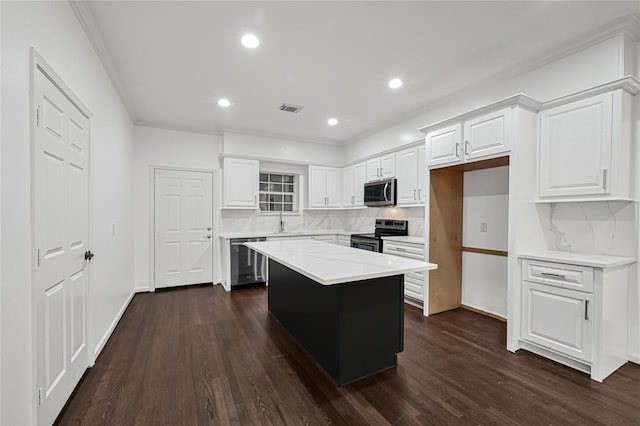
x,y
255,199
466,148
604,179
549,274
414,194
381,172
401,249
419,193
458,150
586,310
353,199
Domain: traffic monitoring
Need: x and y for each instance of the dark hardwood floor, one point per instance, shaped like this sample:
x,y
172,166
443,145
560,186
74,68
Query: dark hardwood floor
x,y
200,355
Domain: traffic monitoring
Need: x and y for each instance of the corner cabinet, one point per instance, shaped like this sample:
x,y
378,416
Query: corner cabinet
x,y
411,175
576,314
241,183
585,145
353,179
324,187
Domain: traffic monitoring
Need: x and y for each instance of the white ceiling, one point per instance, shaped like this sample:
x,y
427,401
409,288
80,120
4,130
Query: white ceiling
x,y
172,61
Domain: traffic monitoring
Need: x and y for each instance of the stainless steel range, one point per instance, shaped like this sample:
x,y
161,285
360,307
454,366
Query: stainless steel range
x,y
383,228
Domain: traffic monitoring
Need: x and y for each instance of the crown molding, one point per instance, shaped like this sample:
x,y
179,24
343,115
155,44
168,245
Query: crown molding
x,y
177,128
629,84
282,137
517,100
88,23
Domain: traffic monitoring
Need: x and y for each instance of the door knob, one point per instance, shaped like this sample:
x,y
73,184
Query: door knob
x,y
88,255
209,236
208,228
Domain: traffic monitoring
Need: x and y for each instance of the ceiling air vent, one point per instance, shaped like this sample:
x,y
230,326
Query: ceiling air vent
x,y
290,108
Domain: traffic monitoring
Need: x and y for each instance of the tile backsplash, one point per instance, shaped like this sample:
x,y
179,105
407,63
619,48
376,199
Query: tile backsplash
x,y
360,220
600,227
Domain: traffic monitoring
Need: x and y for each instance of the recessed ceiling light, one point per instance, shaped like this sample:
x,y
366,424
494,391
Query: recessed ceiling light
x,y
224,102
332,122
395,83
250,41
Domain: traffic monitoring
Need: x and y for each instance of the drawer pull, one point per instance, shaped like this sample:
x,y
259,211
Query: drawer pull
x,y
401,249
549,274
586,310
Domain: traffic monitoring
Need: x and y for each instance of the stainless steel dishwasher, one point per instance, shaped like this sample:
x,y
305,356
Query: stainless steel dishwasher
x,y
248,267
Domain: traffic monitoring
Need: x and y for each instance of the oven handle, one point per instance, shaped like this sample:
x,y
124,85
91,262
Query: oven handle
x,y
386,187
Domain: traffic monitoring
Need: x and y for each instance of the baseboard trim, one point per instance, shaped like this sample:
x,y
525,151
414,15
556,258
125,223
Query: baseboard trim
x,y
634,358
485,313
103,341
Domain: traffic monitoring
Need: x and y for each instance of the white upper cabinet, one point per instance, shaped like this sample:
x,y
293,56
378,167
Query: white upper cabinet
x,y
410,186
383,167
324,187
445,146
477,138
353,178
487,135
585,147
241,183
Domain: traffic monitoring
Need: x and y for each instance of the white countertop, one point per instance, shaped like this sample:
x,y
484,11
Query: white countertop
x,y
405,239
255,234
329,263
584,259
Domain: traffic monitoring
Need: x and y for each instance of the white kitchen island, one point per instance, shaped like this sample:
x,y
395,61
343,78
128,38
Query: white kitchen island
x,y
344,306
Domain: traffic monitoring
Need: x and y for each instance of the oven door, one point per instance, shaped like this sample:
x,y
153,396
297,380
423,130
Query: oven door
x,y
369,244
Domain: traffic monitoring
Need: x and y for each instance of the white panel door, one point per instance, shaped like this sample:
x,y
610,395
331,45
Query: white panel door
x,y
558,319
317,186
444,146
422,174
407,189
333,187
388,166
359,178
348,196
575,147
487,136
373,169
61,213
183,228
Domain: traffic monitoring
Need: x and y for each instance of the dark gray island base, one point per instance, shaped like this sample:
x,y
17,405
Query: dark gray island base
x,y
353,329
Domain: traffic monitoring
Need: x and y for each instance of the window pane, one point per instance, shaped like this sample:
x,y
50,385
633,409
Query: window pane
x,y
275,198
276,178
287,188
288,198
264,186
264,207
264,177
288,207
287,178
276,187
264,197
276,207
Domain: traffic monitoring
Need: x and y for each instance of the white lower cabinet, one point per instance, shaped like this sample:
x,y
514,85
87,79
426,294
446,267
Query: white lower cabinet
x,y
344,240
326,238
415,283
575,314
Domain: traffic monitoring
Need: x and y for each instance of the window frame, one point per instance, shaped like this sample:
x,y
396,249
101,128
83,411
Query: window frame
x,y
296,210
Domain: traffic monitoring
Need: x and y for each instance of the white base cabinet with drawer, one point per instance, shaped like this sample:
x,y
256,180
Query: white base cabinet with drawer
x,y
576,314
416,292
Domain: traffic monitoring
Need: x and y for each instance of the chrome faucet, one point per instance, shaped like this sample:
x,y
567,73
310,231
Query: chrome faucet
x,y
281,223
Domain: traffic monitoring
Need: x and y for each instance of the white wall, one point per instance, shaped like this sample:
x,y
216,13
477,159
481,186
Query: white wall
x,y
484,277
249,145
55,32
173,149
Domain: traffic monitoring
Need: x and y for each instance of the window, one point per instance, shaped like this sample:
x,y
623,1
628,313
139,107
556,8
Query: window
x,y
278,192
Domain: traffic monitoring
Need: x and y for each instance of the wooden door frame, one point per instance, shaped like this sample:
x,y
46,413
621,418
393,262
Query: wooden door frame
x,y
38,64
152,218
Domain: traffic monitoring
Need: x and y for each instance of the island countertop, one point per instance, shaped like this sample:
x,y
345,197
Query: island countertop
x,y
328,263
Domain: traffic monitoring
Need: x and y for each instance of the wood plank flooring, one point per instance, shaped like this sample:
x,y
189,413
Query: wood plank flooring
x,y
201,356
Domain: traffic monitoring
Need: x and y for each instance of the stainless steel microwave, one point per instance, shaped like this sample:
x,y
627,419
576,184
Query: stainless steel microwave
x,y
380,193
